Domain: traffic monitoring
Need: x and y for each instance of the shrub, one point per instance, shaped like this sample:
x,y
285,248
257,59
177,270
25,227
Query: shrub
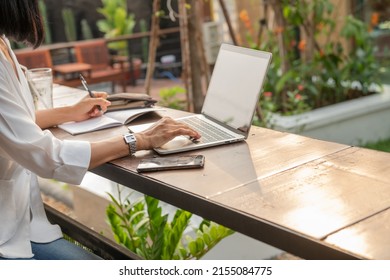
x,y
142,227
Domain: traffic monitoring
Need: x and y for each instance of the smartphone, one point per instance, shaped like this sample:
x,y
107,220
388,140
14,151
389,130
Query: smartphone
x,y
171,163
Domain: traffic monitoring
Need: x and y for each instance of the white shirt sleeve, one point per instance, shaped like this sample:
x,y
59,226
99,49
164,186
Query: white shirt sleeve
x,y
22,140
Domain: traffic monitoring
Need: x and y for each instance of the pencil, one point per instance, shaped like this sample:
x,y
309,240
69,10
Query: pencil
x,y
84,82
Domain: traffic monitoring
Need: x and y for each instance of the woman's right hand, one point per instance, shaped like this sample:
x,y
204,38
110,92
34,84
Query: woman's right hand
x,y
162,132
88,107
157,135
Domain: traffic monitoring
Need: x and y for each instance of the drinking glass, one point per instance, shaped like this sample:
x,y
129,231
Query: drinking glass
x,y
41,85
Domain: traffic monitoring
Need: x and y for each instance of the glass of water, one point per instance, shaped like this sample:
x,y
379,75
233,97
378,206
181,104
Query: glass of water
x,y
41,85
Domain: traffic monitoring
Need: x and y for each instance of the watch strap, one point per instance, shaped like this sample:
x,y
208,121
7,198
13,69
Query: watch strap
x,y
131,141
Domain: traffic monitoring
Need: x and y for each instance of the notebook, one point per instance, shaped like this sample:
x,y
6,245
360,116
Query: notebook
x,y
230,103
109,119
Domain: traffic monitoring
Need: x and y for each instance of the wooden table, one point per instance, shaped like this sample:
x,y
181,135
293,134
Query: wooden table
x,y
314,199
64,95
71,71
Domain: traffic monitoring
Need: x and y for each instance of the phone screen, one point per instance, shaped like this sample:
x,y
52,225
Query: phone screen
x,y
170,163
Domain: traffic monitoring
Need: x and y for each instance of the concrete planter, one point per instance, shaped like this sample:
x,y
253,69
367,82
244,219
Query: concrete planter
x,y
353,122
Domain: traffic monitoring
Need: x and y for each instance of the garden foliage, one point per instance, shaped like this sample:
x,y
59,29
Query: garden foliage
x,y
314,63
142,227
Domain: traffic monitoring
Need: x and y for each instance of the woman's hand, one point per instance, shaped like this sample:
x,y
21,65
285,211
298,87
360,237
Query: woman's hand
x,y
88,107
85,109
161,132
157,135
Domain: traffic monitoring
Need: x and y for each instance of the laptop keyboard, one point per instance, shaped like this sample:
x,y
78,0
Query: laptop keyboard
x,y
208,132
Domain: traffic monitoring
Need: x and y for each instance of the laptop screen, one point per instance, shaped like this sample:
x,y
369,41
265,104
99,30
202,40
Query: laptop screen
x,y
235,86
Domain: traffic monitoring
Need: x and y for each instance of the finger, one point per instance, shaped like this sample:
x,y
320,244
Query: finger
x,y
163,122
100,94
95,112
173,125
187,130
182,131
103,103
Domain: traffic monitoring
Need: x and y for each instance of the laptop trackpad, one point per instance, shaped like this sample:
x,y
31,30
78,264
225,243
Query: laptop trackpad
x,y
177,142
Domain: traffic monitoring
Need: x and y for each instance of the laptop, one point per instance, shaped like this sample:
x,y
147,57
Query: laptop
x,y
230,102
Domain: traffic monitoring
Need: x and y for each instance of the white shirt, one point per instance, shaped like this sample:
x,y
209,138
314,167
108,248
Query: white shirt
x,y
25,152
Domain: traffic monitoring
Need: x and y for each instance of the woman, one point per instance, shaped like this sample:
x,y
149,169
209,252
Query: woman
x,y
27,150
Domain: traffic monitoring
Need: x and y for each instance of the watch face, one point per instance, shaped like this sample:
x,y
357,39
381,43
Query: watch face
x,y
131,141
129,138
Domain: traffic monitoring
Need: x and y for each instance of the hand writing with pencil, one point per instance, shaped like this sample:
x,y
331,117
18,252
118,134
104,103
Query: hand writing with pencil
x,y
85,109
91,94
90,107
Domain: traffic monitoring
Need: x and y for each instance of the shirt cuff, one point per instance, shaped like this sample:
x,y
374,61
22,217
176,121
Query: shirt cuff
x,y
76,156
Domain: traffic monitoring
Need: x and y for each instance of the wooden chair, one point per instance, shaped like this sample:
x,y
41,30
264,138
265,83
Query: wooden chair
x,y
38,58
103,69
41,58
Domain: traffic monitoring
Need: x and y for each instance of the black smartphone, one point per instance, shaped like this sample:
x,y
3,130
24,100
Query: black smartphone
x,y
171,163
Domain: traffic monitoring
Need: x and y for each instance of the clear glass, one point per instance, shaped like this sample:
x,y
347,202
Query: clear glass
x,y
41,85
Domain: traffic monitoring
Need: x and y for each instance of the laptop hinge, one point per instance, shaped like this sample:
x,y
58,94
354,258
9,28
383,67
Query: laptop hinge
x,y
234,130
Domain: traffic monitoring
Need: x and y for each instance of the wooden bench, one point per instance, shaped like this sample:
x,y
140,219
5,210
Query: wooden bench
x,y
91,58
41,58
96,54
97,243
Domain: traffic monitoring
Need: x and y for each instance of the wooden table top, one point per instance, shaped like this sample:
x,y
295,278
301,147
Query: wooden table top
x,y
74,67
312,198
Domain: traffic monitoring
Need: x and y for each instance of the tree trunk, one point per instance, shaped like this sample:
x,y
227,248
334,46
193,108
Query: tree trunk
x,y
154,41
281,26
185,53
309,27
228,22
197,59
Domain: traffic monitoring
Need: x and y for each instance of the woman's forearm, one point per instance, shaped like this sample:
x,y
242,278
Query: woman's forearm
x,y
83,110
52,117
107,150
113,148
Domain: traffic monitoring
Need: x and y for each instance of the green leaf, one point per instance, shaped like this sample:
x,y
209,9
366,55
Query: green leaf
x,y
178,225
158,239
283,80
193,248
207,239
183,253
140,224
103,26
199,244
204,225
213,233
136,217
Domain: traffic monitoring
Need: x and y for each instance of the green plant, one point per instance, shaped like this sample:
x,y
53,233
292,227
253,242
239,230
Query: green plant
x,y
170,98
69,24
43,10
382,145
117,21
86,30
142,227
309,61
144,41
361,64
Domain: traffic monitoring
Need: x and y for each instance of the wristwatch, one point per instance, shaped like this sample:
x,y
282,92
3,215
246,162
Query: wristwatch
x,y
131,141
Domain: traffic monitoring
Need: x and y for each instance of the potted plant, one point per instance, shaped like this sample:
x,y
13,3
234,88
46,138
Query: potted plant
x,y
117,21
